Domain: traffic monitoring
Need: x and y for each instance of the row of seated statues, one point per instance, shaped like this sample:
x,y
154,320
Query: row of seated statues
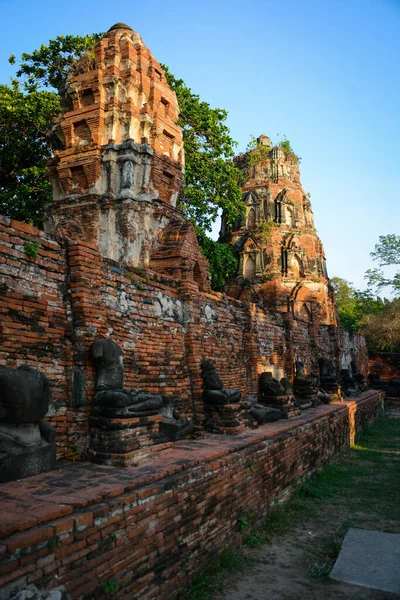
x,y
125,421
390,387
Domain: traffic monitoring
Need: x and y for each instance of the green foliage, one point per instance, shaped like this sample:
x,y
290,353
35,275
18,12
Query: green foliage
x,y
27,111
211,581
256,153
50,65
382,329
288,150
31,248
263,229
223,262
54,542
211,178
110,586
353,305
24,148
243,523
378,319
387,254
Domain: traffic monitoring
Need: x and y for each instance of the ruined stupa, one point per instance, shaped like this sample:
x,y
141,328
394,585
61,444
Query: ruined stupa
x,y
282,261
119,170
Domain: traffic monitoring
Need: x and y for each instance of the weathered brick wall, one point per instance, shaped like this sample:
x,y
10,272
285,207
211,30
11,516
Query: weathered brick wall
x,y
55,304
151,529
385,364
353,347
36,325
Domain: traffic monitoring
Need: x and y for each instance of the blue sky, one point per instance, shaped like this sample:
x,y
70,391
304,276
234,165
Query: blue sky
x,y
325,73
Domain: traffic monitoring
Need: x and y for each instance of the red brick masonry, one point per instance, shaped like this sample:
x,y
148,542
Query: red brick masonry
x,y
55,304
150,528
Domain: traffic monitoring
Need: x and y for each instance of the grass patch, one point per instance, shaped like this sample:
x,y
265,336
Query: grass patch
x,y
359,490
212,580
327,551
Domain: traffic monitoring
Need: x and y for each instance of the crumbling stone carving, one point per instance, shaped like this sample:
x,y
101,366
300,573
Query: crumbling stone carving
x,y
305,387
214,391
349,385
223,410
126,423
264,414
173,426
329,382
269,386
27,441
277,394
111,399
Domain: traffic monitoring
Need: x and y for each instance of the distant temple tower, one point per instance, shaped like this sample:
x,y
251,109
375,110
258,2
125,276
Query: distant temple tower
x,y
282,261
118,174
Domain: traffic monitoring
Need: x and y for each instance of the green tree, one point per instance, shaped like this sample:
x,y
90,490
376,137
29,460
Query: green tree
x,y
27,111
345,301
212,182
382,329
24,149
387,253
288,150
50,65
222,260
354,305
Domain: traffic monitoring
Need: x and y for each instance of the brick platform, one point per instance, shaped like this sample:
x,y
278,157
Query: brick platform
x,y
151,528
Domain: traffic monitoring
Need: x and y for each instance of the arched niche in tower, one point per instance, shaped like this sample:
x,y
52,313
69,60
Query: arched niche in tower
x,y
82,133
249,271
304,313
251,218
308,215
197,275
297,266
266,210
280,199
290,218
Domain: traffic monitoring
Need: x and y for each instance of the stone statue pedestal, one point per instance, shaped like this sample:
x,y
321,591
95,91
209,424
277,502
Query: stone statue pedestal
x,y
27,441
125,442
224,413
26,449
173,427
229,419
128,426
284,403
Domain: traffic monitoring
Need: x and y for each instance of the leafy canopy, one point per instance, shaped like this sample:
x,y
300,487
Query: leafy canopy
x,y
382,330
363,312
211,178
353,305
387,254
24,149
223,262
50,65
27,111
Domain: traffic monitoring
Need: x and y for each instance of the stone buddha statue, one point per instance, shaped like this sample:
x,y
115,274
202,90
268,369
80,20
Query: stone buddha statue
x,y
27,441
214,391
329,382
111,399
269,386
305,386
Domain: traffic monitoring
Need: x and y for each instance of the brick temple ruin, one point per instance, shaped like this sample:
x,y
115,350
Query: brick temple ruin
x,y
118,276
282,260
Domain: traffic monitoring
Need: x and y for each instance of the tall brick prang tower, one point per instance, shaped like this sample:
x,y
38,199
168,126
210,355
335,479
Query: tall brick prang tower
x,y
282,261
117,176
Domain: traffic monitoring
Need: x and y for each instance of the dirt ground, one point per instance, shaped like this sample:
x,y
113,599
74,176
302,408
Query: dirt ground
x,y
296,565
283,569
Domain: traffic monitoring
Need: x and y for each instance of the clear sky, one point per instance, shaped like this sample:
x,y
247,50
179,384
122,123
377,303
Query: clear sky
x,y
325,73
